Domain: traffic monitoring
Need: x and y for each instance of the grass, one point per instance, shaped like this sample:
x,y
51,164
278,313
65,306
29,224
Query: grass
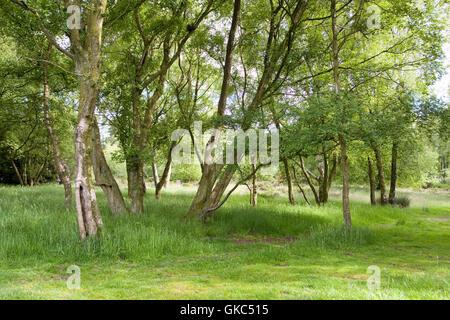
x,y
274,251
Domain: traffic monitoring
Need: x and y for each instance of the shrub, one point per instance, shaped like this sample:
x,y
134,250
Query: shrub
x,y
186,172
402,201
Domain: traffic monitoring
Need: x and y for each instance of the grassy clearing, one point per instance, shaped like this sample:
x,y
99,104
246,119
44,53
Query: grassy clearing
x,y
274,251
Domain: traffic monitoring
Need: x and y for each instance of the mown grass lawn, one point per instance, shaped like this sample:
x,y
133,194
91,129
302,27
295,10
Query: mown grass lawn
x,y
274,251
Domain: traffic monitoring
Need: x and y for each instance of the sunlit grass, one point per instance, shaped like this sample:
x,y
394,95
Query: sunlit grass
x,y
274,251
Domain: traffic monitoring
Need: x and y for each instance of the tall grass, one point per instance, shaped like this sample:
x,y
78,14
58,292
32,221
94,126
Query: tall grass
x,y
34,227
273,251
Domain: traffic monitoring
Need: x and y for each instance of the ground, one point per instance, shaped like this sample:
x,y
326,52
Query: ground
x,y
274,251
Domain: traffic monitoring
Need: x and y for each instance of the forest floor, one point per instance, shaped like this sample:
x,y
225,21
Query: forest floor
x,y
274,251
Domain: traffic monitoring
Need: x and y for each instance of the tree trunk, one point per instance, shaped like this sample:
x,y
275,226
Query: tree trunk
x,y
345,183
103,175
204,190
84,192
166,173
37,177
393,172
381,180
217,192
308,179
16,170
323,179
342,141
300,187
206,196
87,58
135,165
24,173
371,182
86,203
40,172
136,184
254,192
155,173
289,182
331,177
62,169
169,175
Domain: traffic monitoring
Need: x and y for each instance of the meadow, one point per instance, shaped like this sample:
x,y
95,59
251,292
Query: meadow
x,y
273,251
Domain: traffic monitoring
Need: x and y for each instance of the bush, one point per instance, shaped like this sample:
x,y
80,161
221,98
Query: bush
x,y
402,202
186,172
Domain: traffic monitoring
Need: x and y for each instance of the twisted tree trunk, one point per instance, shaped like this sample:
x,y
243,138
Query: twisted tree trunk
x,y
87,58
206,197
206,201
89,221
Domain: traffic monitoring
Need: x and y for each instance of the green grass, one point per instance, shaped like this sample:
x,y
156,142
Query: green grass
x,y
274,251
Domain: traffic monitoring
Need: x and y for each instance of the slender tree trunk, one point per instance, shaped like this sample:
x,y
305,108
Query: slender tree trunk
x,y
345,183
169,175
308,179
135,165
342,141
331,177
62,169
393,172
103,175
16,170
381,179
37,177
323,179
371,182
24,173
166,173
289,182
155,173
254,193
300,187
